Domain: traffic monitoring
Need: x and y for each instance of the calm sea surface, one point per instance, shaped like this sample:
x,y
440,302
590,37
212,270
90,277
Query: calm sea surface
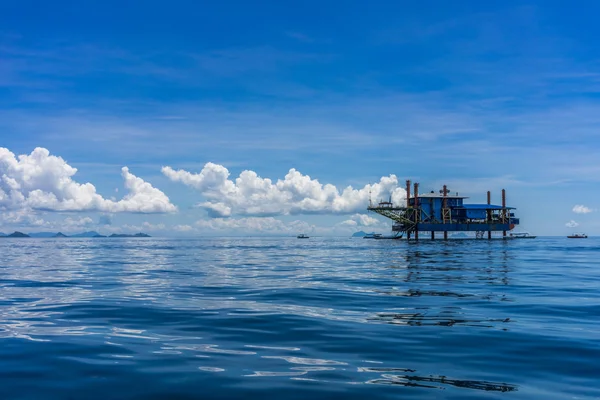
x,y
294,319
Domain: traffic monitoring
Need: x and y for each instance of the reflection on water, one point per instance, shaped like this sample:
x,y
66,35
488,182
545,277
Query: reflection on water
x,y
306,361
237,315
444,318
431,381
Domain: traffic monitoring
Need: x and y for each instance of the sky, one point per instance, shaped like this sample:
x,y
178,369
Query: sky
x,y
188,118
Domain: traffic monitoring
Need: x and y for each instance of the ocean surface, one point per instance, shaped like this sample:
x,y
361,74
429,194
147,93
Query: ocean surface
x,y
282,318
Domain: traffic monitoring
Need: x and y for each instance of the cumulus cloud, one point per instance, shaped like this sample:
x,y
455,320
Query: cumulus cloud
x,y
41,181
571,224
361,220
183,228
349,222
251,195
581,209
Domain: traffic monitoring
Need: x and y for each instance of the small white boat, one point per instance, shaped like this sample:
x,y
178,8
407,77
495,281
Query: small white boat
x,y
372,236
522,235
302,236
393,237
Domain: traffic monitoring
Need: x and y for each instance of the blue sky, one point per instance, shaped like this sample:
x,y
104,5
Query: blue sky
x,y
478,95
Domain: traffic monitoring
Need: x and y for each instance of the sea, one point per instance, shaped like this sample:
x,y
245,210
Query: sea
x,y
286,318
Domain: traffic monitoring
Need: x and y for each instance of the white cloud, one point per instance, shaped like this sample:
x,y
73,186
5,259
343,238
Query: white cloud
x,y
571,224
153,227
28,218
183,228
71,223
23,217
251,195
581,209
141,197
44,182
255,225
143,227
361,220
349,222
275,226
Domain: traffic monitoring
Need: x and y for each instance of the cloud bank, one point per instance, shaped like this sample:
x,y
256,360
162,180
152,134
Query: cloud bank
x,y
252,195
25,218
255,224
41,181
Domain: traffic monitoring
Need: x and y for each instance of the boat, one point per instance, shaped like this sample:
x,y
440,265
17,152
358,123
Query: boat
x,y
388,237
302,236
372,236
578,236
522,235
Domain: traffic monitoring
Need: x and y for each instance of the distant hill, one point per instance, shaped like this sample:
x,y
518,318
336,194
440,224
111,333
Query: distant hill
x,y
17,235
42,234
2,234
87,234
359,234
90,234
125,235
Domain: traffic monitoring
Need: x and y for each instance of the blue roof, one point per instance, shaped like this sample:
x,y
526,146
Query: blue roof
x,y
483,207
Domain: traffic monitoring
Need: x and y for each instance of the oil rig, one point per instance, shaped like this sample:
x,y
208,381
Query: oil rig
x,y
444,212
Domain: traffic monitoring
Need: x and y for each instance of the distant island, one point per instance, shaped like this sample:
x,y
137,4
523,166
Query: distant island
x,y
17,235
125,235
91,234
362,234
43,234
60,234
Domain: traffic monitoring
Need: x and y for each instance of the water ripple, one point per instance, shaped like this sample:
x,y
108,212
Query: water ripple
x,y
275,317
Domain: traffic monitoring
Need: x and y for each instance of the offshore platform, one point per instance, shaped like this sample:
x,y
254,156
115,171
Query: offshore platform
x,y
444,212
